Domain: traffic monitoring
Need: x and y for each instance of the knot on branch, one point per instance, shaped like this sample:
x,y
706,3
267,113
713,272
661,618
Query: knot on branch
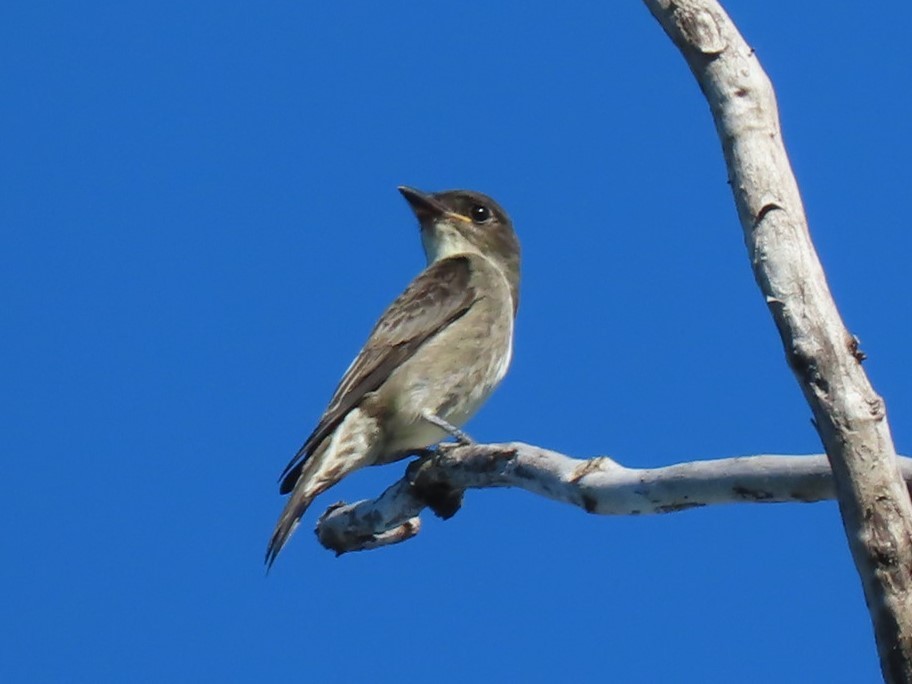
x,y
431,484
440,477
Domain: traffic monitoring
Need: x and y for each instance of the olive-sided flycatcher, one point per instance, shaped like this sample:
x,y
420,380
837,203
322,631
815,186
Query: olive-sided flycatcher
x,y
431,360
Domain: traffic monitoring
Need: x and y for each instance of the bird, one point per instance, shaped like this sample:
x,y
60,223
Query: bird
x,y
431,360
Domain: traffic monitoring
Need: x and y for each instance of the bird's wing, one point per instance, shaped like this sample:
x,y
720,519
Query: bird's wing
x,y
436,298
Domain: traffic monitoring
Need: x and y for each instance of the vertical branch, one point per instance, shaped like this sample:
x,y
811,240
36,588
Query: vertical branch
x,y
850,417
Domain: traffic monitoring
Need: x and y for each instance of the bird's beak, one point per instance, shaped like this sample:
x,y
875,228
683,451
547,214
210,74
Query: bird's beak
x,y
427,207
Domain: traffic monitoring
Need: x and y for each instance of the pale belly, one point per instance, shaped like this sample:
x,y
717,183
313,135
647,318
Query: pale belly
x,y
451,376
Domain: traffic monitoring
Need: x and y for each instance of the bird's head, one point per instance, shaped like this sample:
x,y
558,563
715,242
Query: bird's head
x,y
463,221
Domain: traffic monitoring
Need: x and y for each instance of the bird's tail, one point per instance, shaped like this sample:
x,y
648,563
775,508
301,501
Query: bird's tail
x,y
353,445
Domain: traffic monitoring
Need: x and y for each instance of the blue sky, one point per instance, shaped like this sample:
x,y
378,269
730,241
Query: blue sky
x,y
200,225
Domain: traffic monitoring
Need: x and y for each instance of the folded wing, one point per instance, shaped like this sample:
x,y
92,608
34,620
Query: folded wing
x,y
437,297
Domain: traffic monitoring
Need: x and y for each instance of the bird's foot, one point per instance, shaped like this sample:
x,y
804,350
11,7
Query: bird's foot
x,y
457,434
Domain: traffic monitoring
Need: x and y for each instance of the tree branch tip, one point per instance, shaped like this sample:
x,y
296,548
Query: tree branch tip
x,y
341,541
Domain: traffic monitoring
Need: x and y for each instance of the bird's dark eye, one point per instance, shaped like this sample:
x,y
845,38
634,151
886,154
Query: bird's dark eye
x,y
480,213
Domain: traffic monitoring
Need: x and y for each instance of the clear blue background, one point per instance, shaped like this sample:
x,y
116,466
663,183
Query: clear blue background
x,y
200,225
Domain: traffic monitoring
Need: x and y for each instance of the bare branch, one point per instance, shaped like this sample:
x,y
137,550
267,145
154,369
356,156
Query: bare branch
x,y
850,416
598,485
